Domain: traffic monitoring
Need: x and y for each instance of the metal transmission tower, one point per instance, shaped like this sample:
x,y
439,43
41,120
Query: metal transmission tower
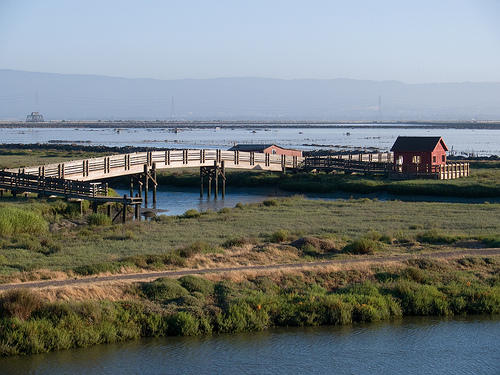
x,y
380,108
172,109
35,116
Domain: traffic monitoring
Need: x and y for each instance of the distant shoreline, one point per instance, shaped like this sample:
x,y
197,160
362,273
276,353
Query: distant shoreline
x,y
255,124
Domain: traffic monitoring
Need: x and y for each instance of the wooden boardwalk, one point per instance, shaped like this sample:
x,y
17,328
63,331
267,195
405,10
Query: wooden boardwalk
x,y
96,192
382,164
131,164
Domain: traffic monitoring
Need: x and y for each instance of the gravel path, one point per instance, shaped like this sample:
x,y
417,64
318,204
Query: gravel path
x,y
145,276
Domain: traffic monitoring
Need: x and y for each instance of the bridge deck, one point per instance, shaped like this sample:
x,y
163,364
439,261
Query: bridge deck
x,y
129,164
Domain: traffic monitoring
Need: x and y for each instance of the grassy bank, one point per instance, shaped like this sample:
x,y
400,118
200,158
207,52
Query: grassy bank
x,y
248,234
31,323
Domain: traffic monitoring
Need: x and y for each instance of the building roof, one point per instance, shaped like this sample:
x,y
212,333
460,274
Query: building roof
x,y
426,144
252,147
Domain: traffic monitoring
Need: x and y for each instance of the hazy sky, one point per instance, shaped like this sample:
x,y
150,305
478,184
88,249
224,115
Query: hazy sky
x,y
413,41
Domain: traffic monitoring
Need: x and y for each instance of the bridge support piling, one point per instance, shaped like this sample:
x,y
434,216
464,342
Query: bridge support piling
x,y
146,184
212,173
154,184
216,180
223,174
137,216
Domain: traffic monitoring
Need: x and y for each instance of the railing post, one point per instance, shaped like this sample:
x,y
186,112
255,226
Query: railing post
x,y
146,184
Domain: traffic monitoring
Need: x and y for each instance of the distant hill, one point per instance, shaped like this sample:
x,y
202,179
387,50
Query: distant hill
x,y
89,97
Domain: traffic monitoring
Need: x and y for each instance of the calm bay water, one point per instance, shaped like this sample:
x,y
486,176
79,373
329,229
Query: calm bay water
x,y
460,345
482,142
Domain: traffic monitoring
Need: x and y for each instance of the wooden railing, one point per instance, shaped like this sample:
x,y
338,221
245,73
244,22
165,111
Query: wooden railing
x,y
440,172
381,164
345,165
125,164
22,182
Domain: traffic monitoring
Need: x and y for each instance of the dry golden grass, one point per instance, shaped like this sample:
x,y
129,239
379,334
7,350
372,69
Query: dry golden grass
x,y
113,291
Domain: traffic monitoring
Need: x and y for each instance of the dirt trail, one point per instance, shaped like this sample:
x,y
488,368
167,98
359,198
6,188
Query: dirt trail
x,y
146,276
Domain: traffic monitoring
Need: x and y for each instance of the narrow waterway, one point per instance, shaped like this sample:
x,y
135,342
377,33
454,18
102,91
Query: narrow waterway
x,y
176,201
429,345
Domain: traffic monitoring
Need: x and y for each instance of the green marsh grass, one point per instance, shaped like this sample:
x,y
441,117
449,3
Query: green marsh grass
x,y
388,223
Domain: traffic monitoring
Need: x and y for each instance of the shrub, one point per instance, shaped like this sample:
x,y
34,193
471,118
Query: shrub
x,y
197,284
435,236
14,220
184,324
99,219
235,242
97,268
270,202
361,246
414,274
191,213
19,303
280,235
163,289
197,247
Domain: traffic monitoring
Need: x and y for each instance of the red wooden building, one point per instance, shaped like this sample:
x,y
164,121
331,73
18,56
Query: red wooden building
x,y
266,149
425,151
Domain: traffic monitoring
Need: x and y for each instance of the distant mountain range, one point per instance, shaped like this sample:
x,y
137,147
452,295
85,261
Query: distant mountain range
x,y
90,97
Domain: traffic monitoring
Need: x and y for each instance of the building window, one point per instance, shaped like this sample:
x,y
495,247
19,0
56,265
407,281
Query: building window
x,y
434,159
443,158
274,151
415,159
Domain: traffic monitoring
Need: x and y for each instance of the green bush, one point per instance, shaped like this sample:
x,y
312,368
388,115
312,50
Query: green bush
x,y
279,236
191,213
14,220
197,284
164,289
97,219
97,268
184,324
198,247
361,246
436,236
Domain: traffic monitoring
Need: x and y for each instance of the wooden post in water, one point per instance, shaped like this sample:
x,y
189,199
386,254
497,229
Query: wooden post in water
x,y
201,182
209,185
154,183
223,173
131,186
216,175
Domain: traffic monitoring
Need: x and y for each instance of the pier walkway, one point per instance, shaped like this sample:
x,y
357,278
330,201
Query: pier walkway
x,y
130,164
